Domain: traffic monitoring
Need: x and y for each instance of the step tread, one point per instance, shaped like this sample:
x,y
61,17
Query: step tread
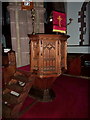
x,y
10,99
16,87
21,78
19,88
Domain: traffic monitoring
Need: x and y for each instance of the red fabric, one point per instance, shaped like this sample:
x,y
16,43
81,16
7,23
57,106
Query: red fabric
x,y
59,25
71,100
26,68
58,28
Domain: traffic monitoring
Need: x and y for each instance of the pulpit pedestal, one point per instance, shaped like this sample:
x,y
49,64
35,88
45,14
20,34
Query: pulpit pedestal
x,y
48,59
42,90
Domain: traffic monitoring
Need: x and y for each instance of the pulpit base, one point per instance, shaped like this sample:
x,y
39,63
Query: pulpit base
x,y
45,95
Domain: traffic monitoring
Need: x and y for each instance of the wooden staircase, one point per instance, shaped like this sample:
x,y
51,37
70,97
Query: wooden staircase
x,y
16,86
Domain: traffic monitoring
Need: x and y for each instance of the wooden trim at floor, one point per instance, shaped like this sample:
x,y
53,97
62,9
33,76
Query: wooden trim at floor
x,y
85,77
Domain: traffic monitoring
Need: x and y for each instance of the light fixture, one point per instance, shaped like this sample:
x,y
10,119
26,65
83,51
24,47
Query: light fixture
x,y
50,19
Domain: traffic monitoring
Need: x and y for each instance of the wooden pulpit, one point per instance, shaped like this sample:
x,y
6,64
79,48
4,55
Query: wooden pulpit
x,y
48,59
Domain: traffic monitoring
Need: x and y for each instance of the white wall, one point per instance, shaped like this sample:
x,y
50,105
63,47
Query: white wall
x,y
73,29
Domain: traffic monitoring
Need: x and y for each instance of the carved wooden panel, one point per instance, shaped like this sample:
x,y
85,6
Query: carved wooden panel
x,y
49,60
48,54
35,55
63,55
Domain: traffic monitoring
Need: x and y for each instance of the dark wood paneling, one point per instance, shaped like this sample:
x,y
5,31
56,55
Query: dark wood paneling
x,y
78,64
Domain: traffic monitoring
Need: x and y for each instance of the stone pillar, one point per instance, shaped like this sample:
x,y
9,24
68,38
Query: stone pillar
x,y
39,17
21,25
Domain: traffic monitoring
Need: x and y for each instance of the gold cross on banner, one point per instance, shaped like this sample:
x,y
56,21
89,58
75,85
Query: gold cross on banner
x,y
60,19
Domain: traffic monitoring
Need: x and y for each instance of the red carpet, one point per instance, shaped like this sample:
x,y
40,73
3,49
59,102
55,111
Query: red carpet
x,y
71,100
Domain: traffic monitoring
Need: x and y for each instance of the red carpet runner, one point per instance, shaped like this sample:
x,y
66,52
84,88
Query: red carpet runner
x,y
71,100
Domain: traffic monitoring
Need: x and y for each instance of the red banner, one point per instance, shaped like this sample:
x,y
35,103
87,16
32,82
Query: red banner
x,y
59,22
